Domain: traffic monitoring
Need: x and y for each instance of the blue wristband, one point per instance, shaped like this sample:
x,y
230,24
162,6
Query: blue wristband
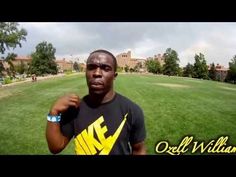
x,y
56,118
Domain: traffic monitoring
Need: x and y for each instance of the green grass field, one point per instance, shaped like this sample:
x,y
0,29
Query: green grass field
x,y
173,107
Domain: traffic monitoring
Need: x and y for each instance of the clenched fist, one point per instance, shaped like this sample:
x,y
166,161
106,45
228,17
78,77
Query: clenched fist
x,y
63,103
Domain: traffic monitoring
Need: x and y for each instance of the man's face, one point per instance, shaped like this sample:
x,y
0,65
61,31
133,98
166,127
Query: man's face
x,y
100,73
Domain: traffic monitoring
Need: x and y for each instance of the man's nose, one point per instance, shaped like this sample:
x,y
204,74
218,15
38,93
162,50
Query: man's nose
x,y
97,72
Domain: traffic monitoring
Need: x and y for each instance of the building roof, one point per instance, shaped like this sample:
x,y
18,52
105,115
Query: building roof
x,y
219,67
23,58
63,61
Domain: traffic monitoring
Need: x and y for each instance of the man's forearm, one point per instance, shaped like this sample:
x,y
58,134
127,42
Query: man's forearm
x,y
56,140
139,149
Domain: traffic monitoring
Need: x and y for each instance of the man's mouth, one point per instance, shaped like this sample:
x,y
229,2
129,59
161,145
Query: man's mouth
x,y
96,84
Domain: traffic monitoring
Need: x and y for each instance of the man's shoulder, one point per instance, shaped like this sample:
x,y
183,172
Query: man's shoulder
x,y
85,98
69,115
127,101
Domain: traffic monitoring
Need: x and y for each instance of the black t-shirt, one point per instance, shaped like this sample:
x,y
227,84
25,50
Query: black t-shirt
x,y
110,128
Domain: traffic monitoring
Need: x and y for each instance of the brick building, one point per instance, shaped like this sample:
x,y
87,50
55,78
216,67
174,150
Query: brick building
x,y
159,58
61,63
124,59
26,60
64,65
221,72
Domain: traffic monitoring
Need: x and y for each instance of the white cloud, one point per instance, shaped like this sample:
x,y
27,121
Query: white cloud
x,y
215,40
187,56
145,48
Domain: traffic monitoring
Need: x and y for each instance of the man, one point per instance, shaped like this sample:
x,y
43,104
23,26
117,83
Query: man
x,y
104,122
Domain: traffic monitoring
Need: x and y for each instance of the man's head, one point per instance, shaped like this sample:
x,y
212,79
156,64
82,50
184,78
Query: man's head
x,y
101,72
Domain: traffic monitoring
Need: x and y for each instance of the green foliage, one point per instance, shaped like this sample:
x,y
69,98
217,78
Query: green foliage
x,y
7,80
76,66
171,65
212,72
20,79
231,76
43,60
68,72
1,68
22,68
131,70
11,36
1,80
137,67
126,68
11,71
188,70
200,67
153,66
82,69
180,72
119,69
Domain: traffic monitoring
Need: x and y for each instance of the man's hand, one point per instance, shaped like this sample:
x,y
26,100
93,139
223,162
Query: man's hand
x,y
56,140
63,103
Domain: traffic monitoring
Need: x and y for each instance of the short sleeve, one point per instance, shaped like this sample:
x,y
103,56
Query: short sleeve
x,y
138,130
68,129
67,122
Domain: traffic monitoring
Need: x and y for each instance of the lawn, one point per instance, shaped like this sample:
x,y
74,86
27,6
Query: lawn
x,y
174,107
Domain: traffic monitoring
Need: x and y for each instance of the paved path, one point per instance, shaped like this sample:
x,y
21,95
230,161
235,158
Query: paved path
x,y
38,79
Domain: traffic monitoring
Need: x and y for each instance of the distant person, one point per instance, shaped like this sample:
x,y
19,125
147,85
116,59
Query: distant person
x,y
34,78
103,122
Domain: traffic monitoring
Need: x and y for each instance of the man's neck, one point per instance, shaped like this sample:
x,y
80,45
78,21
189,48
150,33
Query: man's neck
x,y
102,98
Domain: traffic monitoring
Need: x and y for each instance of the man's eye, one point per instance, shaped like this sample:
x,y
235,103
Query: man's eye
x,y
103,67
106,68
92,67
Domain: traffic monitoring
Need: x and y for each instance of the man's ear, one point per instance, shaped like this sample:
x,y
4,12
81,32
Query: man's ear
x,y
116,74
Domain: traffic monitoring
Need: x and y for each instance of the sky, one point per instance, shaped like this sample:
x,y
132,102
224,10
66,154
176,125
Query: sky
x,y
74,41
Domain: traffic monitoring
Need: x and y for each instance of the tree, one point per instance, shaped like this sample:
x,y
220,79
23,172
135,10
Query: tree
x,y
1,68
188,70
76,66
11,71
180,72
131,70
200,67
126,68
22,68
81,67
153,66
11,37
43,59
212,72
231,76
138,66
119,69
171,66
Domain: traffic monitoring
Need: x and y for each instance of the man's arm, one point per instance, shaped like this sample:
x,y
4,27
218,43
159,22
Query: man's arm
x,y
55,139
139,149
138,132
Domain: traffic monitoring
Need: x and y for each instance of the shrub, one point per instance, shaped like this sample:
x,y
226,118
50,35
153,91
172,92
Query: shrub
x,y
7,80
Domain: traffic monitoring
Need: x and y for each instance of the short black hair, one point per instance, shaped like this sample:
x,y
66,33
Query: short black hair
x,y
106,52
